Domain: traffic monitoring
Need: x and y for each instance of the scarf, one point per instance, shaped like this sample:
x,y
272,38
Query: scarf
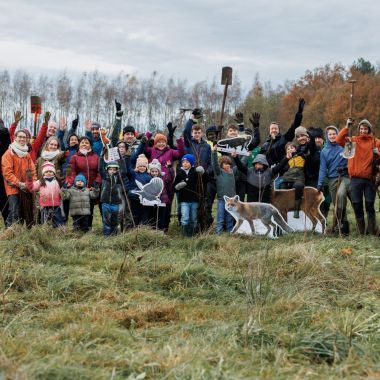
x,y
20,150
49,156
85,152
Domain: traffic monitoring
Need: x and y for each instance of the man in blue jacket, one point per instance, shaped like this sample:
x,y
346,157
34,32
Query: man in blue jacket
x,y
333,166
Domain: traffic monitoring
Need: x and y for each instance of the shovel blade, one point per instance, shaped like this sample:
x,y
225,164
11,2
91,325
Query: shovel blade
x,y
227,75
349,150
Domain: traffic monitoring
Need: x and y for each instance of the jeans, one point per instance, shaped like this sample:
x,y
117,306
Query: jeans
x,y
223,217
52,214
110,218
14,210
189,212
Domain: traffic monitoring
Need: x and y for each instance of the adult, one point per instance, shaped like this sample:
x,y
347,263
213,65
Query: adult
x,y
333,167
85,162
274,146
15,163
93,134
361,172
5,140
51,152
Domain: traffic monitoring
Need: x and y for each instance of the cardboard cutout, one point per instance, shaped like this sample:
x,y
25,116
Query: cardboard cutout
x,y
235,144
150,193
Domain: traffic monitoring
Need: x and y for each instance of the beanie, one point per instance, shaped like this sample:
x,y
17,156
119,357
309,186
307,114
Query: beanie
x,y
141,161
211,129
316,132
300,131
367,123
112,164
190,158
80,177
129,128
28,135
47,166
160,137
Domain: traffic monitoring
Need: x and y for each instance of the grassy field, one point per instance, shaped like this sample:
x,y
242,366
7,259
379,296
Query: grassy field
x,y
147,306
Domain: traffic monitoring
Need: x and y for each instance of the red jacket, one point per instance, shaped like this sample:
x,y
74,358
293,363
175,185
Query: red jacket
x,y
361,164
86,165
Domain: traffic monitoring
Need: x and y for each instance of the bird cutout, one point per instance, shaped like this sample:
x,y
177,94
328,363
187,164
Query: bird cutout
x,y
149,193
235,144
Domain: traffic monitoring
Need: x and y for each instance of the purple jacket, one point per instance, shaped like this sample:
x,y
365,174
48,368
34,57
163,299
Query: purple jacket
x,y
166,195
165,155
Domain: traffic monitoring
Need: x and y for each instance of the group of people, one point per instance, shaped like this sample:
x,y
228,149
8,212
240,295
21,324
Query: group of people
x,y
58,174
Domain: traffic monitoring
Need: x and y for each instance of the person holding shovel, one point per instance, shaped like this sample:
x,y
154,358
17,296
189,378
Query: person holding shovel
x,y
361,171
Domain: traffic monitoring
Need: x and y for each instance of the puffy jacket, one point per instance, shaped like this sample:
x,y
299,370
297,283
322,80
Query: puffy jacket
x,y
79,199
87,165
49,195
189,192
14,170
361,164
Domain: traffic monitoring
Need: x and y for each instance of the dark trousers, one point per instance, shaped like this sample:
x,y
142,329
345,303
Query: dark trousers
x,y
359,188
297,186
66,210
241,190
140,213
81,223
52,215
209,200
14,210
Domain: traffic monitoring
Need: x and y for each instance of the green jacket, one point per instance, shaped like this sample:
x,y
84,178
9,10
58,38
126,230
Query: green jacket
x,y
225,182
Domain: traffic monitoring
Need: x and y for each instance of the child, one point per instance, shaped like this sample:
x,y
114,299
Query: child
x,y
154,169
225,186
294,176
111,199
259,177
80,196
185,183
49,192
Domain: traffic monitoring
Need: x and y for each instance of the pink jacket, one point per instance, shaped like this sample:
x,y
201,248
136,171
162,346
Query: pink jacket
x,y
50,195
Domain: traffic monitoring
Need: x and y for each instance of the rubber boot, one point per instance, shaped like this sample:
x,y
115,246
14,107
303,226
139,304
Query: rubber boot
x,y
184,230
345,230
189,230
361,225
297,207
371,227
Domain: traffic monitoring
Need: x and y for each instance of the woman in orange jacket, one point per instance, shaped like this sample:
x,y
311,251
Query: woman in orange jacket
x,y
15,162
360,170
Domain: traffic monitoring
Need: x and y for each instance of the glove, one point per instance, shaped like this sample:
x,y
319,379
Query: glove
x,y
239,117
47,117
255,120
96,185
180,185
119,112
200,169
74,123
148,135
301,105
144,139
18,117
319,188
22,186
248,131
375,150
198,113
170,128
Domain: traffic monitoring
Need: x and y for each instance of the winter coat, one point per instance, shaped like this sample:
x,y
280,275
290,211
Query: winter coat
x,y
331,159
201,150
111,189
79,199
87,165
295,169
65,146
225,182
189,192
14,170
97,145
275,149
361,164
49,195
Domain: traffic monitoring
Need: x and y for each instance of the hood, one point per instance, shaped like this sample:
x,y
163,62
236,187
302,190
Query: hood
x,y
261,159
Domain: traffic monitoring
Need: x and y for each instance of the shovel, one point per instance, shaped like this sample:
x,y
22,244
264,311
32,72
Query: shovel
x,y
36,109
349,148
226,81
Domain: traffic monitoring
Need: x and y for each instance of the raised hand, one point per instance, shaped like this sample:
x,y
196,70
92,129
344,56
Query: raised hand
x,y
87,125
255,119
18,117
119,112
47,116
239,117
62,124
170,128
301,105
74,123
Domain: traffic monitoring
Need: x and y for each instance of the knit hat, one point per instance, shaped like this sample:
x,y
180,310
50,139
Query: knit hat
x,y
211,129
80,177
95,125
128,128
316,132
301,131
112,164
47,166
332,127
367,123
141,161
28,135
190,158
160,137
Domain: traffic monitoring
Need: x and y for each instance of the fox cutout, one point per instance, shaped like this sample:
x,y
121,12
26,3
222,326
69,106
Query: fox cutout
x,y
250,211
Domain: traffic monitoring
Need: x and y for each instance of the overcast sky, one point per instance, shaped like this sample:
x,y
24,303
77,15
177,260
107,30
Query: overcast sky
x,y
186,39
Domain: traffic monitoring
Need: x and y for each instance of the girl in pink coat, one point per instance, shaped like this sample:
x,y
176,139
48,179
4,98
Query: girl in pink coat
x,y
50,194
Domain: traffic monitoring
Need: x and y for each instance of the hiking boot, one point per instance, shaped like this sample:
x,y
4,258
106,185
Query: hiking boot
x,y
360,223
371,227
297,207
